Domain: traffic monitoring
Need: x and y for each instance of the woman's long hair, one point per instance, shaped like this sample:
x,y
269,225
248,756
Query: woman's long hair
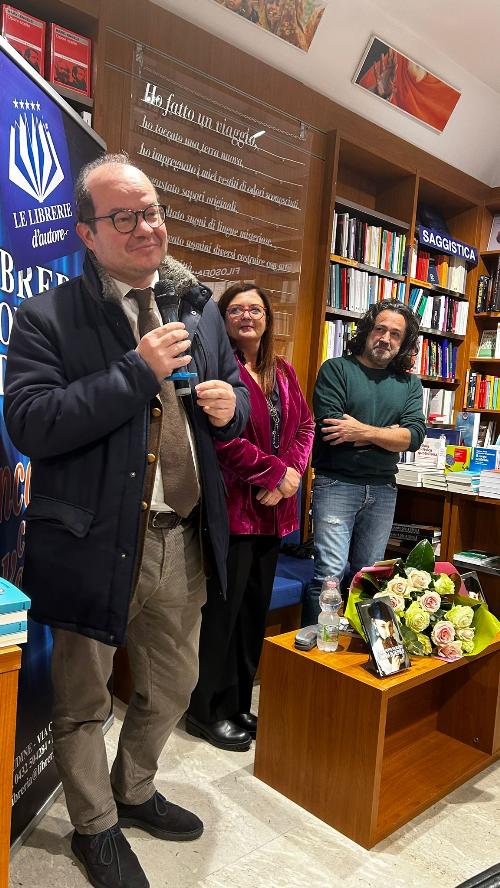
x,y
266,359
409,347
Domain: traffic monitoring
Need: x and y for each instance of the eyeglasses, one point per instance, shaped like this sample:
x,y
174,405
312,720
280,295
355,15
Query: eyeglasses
x,y
237,311
126,221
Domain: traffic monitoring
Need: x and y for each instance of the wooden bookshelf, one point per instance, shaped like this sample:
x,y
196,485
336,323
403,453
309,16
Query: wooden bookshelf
x,y
439,381
342,313
372,269
428,331
455,294
369,214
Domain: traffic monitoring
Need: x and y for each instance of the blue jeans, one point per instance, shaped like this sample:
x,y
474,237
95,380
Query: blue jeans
x,y
352,523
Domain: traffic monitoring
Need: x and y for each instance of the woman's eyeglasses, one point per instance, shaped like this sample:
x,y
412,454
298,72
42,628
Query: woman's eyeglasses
x,y
237,311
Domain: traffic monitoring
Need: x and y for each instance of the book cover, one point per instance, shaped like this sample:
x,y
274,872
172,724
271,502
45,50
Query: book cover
x,y
69,59
18,616
382,631
487,345
457,458
11,598
472,583
484,458
468,425
476,556
26,34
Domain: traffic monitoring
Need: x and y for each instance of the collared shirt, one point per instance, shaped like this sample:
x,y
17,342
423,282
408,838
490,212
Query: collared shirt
x,y
131,309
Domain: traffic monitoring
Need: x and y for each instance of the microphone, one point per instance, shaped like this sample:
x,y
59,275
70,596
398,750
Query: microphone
x,y
168,303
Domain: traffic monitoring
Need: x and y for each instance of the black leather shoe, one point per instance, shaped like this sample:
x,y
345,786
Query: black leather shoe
x,y
108,860
161,819
224,734
247,721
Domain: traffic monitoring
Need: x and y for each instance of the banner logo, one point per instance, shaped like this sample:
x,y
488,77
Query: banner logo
x,y
33,162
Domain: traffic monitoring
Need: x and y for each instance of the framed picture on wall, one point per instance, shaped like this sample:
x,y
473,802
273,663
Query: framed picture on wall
x,y
494,241
404,83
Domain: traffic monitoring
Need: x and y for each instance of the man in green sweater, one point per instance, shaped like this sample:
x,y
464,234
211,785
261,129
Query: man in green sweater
x,y
367,408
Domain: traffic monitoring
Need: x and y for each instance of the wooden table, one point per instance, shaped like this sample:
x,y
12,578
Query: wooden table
x,y
10,662
366,754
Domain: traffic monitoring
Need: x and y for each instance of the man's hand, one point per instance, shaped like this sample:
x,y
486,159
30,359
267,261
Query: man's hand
x,y
218,400
269,497
290,483
344,431
163,349
350,431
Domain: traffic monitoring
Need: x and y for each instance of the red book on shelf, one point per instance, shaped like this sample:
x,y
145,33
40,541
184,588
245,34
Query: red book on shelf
x,y
69,59
26,34
343,287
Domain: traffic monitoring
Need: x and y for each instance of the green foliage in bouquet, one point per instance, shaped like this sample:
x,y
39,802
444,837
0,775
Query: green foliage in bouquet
x,y
434,617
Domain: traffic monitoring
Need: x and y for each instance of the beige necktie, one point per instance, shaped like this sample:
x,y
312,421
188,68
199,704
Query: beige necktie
x,y
180,484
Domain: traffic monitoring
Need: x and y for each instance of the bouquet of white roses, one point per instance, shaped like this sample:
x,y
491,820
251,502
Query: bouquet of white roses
x,y
434,617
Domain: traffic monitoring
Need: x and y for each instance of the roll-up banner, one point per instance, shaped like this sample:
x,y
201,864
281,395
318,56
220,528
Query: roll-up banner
x,y
44,145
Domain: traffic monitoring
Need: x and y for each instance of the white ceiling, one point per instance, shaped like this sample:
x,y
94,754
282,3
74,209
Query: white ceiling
x,y
455,39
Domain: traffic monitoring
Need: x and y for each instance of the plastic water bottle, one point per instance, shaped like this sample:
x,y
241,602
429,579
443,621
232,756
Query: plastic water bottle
x,y
330,600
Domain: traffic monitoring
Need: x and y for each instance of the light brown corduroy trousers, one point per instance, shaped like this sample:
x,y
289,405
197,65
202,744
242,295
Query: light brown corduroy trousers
x,y
163,636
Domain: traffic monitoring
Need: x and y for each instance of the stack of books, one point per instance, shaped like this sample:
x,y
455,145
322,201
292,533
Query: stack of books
x,y
414,475
488,562
14,606
404,537
489,483
463,482
435,479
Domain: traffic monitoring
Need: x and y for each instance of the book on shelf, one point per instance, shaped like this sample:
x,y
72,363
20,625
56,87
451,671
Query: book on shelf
x,y
451,434
468,426
408,535
487,347
439,312
431,453
488,291
483,458
466,481
489,483
12,600
479,558
382,631
352,289
438,403
354,238
336,336
449,272
435,358
482,391
457,458
13,638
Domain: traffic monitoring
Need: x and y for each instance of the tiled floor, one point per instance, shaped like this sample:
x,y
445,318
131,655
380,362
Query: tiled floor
x,y
254,837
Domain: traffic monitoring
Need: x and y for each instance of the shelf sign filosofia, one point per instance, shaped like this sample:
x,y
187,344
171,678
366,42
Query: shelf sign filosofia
x,y
437,240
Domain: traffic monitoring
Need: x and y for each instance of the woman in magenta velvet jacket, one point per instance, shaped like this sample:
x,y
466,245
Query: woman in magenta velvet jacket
x,y
262,471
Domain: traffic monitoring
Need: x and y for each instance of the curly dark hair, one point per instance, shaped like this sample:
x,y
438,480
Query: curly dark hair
x,y
409,347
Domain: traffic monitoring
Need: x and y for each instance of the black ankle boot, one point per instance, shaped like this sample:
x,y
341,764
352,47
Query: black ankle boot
x,y
108,860
247,721
224,734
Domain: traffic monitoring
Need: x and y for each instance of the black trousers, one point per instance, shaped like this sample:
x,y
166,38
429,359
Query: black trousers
x,y
232,631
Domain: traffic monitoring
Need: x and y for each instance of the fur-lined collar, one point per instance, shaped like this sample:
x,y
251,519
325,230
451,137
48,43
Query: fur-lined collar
x,y
170,270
